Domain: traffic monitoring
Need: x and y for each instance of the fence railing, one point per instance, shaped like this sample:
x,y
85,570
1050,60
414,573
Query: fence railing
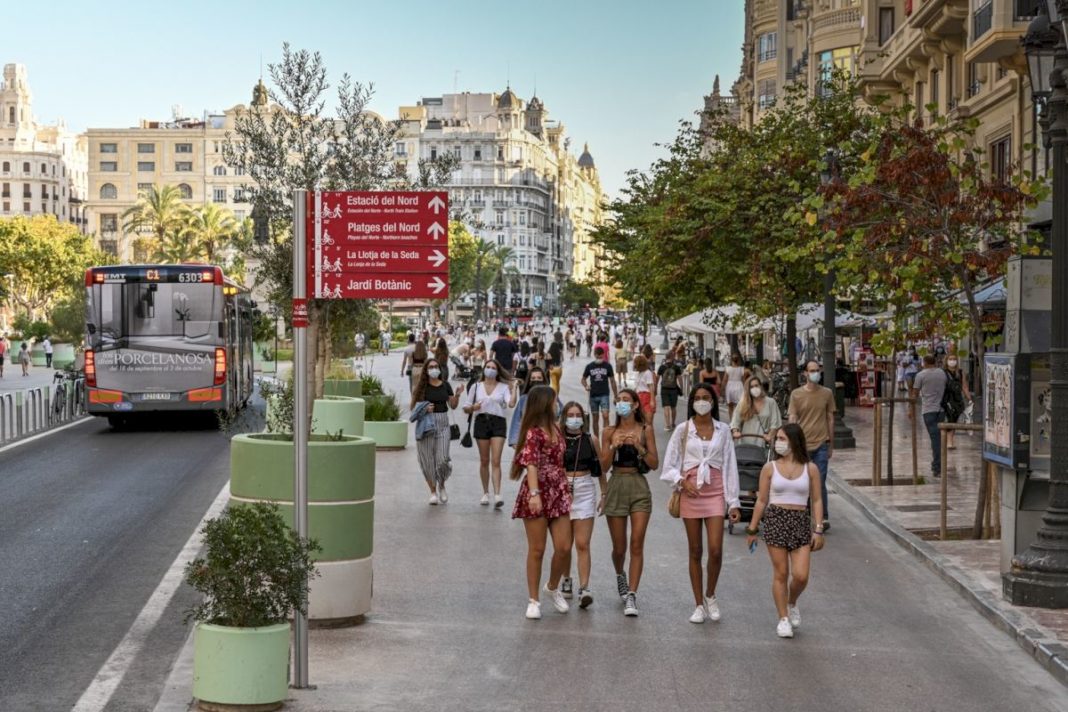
x,y
35,410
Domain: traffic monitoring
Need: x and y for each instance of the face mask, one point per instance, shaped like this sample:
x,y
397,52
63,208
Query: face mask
x,y
756,391
702,407
623,409
814,376
782,447
433,372
491,373
952,363
573,423
537,383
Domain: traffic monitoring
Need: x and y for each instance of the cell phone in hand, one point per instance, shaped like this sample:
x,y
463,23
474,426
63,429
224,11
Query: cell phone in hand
x,y
752,547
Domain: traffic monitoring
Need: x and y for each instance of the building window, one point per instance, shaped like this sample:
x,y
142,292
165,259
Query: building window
x,y
7,207
239,171
146,166
11,115
109,148
935,92
886,24
44,169
1026,9
400,149
109,224
44,191
26,208
982,21
109,192
144,187
500,217
26,167
239,195
765,93
183,148
456,152
843,58
183,167
1001,159
108,166
767,46
478,153
500,153
219,170
500,239
27,190
7,166
146,148
185,191
433,153
219,195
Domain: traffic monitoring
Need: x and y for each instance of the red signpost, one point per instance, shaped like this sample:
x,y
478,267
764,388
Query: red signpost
x,y
378,245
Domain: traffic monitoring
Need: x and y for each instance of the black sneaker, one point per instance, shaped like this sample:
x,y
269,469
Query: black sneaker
x,y
585,598
622,586
565,587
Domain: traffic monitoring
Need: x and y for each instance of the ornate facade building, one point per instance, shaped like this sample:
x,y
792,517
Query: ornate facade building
x,y
43,169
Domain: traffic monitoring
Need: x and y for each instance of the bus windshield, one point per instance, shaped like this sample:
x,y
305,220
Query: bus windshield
x,y
121,311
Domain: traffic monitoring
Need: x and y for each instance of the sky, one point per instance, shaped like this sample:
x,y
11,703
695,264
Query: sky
x,y
620,74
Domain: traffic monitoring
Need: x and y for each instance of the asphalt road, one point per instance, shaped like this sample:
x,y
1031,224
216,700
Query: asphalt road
x,y
90,521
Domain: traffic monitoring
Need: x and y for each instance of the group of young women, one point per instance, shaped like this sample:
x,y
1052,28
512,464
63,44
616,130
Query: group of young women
x,y
561,468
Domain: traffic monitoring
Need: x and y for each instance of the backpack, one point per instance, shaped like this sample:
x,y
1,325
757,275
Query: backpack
x,y
952,398
671,378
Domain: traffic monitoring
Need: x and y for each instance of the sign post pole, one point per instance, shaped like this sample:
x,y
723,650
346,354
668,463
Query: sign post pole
x,y
300,417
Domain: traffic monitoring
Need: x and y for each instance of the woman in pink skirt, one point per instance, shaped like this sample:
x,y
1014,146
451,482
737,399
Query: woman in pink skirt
x,y
700,462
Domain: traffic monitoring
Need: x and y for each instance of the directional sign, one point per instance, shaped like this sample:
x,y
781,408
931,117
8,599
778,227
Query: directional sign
x,y
378,245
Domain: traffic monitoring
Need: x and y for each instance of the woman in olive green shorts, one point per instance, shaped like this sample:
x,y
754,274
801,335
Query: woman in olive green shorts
x,y
629,449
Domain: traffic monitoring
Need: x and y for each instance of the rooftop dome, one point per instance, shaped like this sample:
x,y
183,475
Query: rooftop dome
x,y
535,104
586,160
508,100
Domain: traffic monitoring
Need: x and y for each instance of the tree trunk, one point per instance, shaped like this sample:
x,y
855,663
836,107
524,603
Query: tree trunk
x,y
978,341
791,348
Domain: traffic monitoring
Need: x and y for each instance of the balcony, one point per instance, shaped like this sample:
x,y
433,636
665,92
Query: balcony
x,y
996,28
982,21
837,19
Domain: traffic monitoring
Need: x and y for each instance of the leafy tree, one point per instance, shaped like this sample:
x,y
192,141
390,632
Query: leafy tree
x,y
576,295
44,260
463,248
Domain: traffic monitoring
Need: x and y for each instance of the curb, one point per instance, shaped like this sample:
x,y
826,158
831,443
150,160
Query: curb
x,y
1036,641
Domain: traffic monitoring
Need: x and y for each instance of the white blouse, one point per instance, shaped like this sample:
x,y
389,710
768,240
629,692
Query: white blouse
x,y
717,453
495,403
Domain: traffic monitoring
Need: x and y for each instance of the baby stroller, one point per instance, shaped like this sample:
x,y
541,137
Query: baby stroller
x,y
751,456
460,372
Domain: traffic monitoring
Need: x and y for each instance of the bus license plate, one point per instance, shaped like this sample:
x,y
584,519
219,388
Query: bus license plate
x,y
155,396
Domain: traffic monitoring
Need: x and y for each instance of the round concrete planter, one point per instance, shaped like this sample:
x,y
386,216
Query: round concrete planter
x,y
388,435
331,414
341,490
241,666
350,388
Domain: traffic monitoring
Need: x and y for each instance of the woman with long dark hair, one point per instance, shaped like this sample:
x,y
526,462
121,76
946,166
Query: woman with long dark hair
x,y
628,450
582,465
535,377
787,486
441,353
489,399
433,446
700,462
544,499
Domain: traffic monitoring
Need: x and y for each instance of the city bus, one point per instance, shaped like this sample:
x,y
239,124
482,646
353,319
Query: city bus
x,y
166,338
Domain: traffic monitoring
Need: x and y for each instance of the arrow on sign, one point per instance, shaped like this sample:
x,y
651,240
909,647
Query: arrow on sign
x,y
435,230
437,258
437,284
437,204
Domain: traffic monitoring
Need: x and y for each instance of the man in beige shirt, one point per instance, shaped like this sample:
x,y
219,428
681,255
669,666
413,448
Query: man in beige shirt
x,y
812,407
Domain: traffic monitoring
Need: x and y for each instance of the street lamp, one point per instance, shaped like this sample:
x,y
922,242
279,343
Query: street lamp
x,y
843,436
1039,575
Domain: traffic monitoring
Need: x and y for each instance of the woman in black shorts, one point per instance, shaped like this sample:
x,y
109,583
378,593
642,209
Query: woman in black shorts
x,y
787,485
490,399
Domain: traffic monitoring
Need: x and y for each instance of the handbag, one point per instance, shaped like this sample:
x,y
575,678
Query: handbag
x,y
466,441
454,431
643,467
675,501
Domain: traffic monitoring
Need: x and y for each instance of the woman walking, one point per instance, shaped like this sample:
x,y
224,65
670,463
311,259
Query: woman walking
x,y
24,358
700,463
628,449
734,383
757,416
478,355
582,464
441,354
954,371
490,398
787,485
621,363
433,445
644,386
708,374
535,377
544,499
556,365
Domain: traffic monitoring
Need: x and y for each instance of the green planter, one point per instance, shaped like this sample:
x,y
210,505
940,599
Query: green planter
x,y
350,388
388,435
267,366
37,355
241,666
341,490
333,413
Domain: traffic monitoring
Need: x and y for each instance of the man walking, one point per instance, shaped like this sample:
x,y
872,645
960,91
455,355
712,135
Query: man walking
x,y
930,384
47,346
503,350
812,407
599,380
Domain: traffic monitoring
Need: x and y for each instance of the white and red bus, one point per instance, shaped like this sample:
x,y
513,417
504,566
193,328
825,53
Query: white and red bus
x,y
166,338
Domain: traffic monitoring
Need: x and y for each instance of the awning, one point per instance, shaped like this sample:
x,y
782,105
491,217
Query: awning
x,y
811,315
726,319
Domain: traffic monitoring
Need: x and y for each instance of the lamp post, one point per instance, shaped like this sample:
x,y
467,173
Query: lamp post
x,y
843,436
1039,575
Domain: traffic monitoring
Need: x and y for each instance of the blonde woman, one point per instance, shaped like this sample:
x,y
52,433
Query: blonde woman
x,y
757,415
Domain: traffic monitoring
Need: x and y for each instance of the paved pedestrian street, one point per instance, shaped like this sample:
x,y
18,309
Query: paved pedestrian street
x,y
447,632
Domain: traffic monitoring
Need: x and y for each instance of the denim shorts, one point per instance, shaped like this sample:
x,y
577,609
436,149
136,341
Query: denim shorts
x,y
598,403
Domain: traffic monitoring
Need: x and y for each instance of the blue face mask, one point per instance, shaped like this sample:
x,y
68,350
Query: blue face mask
x,y
623,409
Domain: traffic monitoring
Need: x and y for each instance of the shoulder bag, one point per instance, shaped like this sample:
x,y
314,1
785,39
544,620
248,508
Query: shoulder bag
x,y
466,441
675,501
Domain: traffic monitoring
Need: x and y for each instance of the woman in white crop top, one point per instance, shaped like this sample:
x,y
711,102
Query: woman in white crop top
x,y
787,485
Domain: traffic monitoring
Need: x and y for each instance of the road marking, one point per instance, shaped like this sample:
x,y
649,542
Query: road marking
x,y
45,434
100,690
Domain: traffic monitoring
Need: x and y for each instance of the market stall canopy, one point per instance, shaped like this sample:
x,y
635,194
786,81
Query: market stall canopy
x,y
726,319
811,315
990,294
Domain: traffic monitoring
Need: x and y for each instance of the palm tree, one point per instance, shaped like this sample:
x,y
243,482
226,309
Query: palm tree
x,y
160,211
503,268
211,229
484,256
176,249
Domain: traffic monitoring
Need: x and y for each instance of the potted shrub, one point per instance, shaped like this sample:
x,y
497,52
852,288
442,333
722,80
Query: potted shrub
x,y
266,358
382,422
253,575
341,381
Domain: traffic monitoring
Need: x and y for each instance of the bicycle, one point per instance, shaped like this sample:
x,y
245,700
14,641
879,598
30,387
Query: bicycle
x,y
60,404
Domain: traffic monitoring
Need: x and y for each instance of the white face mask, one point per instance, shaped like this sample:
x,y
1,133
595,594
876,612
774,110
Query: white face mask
x,y
702,407
491,373
433,372
814,376
573,423
756,391
782,447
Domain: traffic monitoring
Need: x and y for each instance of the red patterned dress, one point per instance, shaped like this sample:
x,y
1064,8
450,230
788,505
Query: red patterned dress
x,y
548,457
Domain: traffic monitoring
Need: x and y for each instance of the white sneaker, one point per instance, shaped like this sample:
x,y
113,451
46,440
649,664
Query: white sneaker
x,y
434,499
712,606
534,610
443,496
485,499
498,501
784,629
795,617
630,604
698,615
559,602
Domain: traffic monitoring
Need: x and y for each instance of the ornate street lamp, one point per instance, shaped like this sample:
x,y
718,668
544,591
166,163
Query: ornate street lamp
x,y
843,436
1039,575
